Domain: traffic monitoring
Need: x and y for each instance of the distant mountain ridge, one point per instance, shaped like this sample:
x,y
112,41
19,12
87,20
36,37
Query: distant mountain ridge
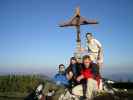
x,y
120,76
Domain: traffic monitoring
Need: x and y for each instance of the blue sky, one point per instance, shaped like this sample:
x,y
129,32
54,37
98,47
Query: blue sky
x,y
31,41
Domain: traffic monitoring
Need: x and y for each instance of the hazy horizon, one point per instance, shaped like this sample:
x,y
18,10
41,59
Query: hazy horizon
x,y
106,73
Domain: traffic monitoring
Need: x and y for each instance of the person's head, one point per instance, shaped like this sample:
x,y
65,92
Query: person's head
x,y
73,60
79,60
89,36
86,61
61,68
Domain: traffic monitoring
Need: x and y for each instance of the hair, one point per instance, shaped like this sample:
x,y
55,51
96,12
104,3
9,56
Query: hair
x,y
73,58
86,57
88,34
61,65
69,68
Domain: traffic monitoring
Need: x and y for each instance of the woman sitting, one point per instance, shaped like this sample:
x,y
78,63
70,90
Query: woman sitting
x,y
73,71
91,77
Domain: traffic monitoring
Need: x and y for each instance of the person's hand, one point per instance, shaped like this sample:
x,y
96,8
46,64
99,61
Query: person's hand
x,y
100,63
80,77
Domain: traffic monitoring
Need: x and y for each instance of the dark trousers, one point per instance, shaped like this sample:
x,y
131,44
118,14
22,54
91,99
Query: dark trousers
x,y
73,83
84,85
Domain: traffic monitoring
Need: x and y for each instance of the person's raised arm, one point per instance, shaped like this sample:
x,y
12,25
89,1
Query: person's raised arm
x,y
100,52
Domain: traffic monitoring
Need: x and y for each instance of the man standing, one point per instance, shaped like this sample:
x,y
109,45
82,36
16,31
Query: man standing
x,y
94,49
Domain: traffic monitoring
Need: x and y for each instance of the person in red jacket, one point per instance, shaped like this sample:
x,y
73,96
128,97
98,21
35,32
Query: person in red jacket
x,y
89,70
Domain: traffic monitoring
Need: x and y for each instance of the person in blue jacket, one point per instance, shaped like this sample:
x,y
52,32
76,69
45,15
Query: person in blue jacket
x,y
60,77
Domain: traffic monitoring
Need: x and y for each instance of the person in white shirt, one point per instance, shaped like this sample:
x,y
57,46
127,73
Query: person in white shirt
x,y
94,49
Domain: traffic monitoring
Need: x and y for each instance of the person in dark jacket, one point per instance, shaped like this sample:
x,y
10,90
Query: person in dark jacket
x,y
73,71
